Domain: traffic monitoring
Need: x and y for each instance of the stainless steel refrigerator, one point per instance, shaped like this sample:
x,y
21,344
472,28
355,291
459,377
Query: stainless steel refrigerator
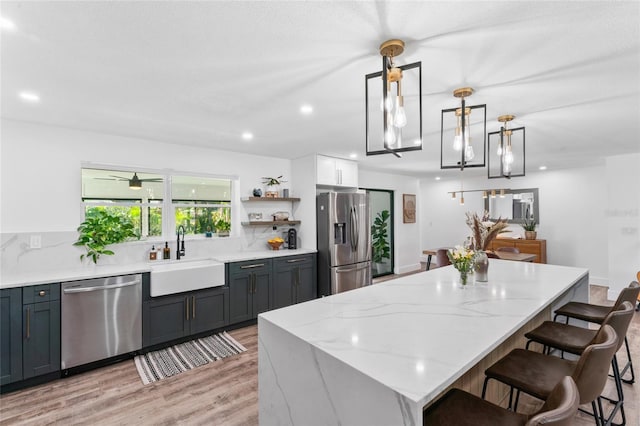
x,y
344,242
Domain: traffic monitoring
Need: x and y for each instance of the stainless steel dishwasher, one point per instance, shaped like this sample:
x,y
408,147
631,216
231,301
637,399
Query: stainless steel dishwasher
x,y
101,318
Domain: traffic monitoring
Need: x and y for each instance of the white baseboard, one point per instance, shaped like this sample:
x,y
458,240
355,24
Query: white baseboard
x,y
599,281
407,268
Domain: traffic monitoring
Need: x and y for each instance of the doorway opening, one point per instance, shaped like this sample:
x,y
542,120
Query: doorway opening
x,y
382,218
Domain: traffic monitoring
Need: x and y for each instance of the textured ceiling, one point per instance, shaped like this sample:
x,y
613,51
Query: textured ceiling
x,y
201,73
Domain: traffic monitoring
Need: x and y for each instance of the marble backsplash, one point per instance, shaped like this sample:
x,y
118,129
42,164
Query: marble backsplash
x,y
57,252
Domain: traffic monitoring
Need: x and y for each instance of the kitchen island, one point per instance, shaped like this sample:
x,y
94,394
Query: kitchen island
x,y
379,354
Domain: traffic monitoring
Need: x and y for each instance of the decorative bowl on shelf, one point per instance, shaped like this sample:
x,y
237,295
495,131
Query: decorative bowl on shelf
x,y
275,243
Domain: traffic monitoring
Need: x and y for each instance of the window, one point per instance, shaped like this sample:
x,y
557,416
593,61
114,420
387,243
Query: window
x,y
156,209
199,202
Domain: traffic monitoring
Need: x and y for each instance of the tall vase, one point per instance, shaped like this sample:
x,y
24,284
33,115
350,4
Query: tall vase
x,y
481,266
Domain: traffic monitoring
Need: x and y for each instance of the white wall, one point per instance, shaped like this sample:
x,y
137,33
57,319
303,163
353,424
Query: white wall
x,y
573,203
46,161
406,235
622,213
41,187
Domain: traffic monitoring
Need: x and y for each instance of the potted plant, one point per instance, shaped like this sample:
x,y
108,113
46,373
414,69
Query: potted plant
x,y
223,227
101,229
273,183
221,223
380,248
529,226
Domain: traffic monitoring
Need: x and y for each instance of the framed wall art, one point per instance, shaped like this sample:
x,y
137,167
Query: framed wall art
x,y
408,208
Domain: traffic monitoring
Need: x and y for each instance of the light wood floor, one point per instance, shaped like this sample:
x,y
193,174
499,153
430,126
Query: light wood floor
x,y
224,392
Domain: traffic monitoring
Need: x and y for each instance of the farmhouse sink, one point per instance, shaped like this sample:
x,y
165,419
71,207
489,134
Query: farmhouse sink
x,y
185,275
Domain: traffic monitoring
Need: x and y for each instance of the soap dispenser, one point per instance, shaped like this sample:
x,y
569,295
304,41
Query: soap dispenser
x,y
166,252
153,255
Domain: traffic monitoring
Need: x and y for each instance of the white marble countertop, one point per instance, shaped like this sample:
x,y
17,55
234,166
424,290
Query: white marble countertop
x,y
87,271
417,334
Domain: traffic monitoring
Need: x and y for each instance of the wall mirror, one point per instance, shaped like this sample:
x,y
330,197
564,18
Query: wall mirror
x,y
515,205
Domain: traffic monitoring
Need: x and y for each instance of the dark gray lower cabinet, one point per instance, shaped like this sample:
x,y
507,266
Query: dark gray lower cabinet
x,y
41,344
10,335
172,317
30,332
294,280
40,330
250,289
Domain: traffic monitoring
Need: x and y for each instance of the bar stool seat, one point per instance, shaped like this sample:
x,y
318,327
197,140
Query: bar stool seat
x,y
584,311
540,376
461,408
567,338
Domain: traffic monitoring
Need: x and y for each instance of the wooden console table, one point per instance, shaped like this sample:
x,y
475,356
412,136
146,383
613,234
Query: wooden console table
x,y
537,247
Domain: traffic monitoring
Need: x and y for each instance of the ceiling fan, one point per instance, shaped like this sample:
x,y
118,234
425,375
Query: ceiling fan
x,y
135,182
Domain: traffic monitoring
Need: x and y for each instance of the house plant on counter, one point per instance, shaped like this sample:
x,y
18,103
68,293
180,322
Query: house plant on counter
x,y
484,231
102,228
529,226
380,248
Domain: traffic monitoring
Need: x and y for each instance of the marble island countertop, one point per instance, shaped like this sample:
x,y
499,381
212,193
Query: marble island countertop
x,y
87,271
402,341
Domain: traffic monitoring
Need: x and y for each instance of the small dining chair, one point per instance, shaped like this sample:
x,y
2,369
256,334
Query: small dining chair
x,y
508,250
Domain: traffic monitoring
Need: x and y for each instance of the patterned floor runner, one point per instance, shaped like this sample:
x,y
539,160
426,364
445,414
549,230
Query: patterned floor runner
x,y
158,365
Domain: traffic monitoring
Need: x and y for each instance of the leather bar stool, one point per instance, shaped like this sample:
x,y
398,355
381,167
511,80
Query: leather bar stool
x,y
597,313
461,408
572,339
537,374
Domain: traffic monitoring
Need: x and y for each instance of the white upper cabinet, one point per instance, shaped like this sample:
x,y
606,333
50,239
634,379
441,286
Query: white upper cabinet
x,y
336,172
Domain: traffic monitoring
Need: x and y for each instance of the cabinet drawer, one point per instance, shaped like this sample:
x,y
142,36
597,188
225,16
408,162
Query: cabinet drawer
x,y
249,266
293,261
40,293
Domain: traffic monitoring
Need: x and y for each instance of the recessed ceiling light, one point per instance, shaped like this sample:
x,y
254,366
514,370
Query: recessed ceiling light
x,y
306,109
437,177
353,155
29,96
542,167
6,24
247,136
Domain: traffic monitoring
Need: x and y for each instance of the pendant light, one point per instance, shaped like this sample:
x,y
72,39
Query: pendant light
x,y
506,151
461,144
394,114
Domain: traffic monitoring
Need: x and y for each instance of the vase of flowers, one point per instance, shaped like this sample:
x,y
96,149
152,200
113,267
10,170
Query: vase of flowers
x,y
484,231
462,259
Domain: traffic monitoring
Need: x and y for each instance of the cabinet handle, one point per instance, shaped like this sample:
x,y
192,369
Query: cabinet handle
x,y
255,265
255,282
193,302
186,302
42,293
28,323
295,260
297,276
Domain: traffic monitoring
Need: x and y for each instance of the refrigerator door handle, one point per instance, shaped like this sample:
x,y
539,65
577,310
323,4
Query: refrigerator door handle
x,y
357,268
353,228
